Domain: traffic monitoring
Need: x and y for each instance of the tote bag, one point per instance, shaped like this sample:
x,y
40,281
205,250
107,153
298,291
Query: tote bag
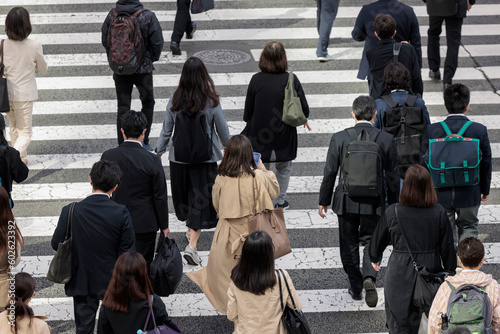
x,y
292,108
200,6
4,94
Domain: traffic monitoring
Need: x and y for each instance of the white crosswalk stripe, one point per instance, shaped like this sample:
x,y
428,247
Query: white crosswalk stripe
x,y
74,122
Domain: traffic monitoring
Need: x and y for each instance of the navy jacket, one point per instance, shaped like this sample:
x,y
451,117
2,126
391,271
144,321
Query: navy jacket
x,y
407,28
468,196
400,97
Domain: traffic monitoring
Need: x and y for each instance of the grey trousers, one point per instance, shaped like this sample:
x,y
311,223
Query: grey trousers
x,y
327,11
463,222
283,172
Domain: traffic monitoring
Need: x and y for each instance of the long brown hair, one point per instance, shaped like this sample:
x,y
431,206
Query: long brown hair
x,y
418,189
130,282
238,157
195,88
24,289
7,220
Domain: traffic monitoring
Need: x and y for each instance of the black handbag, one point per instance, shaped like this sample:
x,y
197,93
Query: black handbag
x,y
427,283
165,272
61,265
200,6
294,320
4,94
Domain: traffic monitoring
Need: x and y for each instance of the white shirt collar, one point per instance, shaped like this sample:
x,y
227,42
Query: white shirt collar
x,y
133,141
91,194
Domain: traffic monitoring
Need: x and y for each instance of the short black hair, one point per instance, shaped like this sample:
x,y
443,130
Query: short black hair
x,y
471,252
105,175
396,76
17,24
134,123
385,26
364,108
456,98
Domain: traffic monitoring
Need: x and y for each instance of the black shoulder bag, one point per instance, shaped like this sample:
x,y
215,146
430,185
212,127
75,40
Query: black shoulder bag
x,y
294,320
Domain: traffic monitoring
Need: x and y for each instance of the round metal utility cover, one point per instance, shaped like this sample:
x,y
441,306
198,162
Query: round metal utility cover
x,y
223,57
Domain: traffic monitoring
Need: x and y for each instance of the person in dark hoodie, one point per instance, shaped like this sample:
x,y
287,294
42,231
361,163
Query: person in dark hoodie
x,y
143,78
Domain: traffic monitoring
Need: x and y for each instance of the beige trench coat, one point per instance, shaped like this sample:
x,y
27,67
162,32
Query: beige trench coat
x,y
37,326
233,199
5,275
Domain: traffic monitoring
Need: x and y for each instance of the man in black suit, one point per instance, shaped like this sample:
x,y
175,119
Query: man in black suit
x,y
143,189
383,54
462,203
358,216
101,231
364,30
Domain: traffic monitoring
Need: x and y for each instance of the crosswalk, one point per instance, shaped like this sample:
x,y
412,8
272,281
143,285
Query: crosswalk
x,y
74,122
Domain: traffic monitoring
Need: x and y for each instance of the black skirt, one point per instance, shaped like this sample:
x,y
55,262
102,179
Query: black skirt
x,y
192,193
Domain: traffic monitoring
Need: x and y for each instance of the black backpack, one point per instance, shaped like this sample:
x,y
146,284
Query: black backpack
x,y
192,143
165,272
407,124
362,166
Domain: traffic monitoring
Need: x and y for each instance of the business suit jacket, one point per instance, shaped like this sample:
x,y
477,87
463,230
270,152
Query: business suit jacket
x,y
382,55
334,160
143,188
468,196
407,28
102,230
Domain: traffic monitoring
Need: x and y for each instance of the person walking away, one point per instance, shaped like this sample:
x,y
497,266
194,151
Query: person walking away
x,y
23,58
182,24
138,60
327,11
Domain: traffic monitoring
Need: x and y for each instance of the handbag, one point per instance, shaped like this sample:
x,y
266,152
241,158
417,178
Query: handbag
x,y
4,94
273,223
442,7
294,320
60,267
427,283
292,107
170,328
200,6
165,272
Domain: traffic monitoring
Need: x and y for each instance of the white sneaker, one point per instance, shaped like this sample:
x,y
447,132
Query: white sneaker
x,y
191,256
324,58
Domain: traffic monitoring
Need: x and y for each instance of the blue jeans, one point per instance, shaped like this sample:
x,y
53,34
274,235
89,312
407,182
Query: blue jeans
x,y
327,11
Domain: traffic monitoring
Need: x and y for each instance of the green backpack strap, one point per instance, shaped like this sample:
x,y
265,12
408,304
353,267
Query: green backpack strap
x,y
446,128
464,128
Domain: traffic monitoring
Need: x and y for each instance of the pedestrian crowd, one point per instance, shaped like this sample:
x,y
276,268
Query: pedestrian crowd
x,y
394,185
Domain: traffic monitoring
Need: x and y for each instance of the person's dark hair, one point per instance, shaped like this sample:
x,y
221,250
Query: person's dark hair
x,y
3,140
418,189
255,269
385,26
364,108
134,123
397,76
7,220
458,330
273,58
17,24
130,282
456,98
238,157
471,252
24,289
105,175
195,88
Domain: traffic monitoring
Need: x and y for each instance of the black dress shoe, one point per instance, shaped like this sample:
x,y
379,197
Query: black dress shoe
x,y
446,85
355,296
435,75
174,47
371,297
190,35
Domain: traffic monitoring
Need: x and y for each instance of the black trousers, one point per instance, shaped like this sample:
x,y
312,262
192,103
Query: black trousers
x,y
124,85
145,245
353,230
85,308
182,22
453,38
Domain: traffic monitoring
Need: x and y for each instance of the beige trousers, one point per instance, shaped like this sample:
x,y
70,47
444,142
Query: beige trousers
x,y
20,117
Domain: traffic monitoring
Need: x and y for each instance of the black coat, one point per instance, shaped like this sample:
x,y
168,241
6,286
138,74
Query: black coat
x,y
334,160
143,188
102,230
263,114
462,7
12,168
429,235
382,55
468,196
152,34
407,28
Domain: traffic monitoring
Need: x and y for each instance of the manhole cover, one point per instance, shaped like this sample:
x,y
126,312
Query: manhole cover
x,y
223,57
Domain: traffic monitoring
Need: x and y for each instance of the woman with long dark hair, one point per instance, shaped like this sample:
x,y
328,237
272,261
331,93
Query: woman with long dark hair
x,y
12,167
22,57
191,183
11,243
275,140
254,296
22,320
429,235
242,189
126,302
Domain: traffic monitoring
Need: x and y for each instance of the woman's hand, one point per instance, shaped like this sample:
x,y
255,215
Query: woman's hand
x,y
307,126
260,165
376,266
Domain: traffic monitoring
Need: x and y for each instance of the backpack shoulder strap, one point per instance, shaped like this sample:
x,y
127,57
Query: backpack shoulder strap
x,y
138,12
446,128
464,128
410,101
352,133
395,52
390,101
451,286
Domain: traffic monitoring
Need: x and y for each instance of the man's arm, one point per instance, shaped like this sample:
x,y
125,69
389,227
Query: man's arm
x,y
160,196
155,38
329,175
60,231
392,173
127,237
485,167
415,39
359,31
